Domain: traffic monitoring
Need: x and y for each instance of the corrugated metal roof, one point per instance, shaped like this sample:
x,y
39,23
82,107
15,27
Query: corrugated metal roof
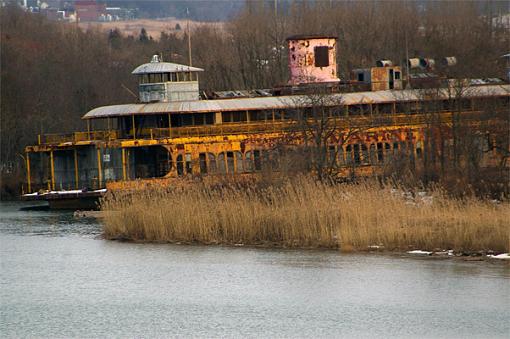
x,y
281,102
164,67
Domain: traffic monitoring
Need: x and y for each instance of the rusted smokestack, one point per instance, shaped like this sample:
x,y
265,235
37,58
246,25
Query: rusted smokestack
x,y
312,59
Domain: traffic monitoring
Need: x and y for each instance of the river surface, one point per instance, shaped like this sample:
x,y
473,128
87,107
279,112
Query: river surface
x,y
59,279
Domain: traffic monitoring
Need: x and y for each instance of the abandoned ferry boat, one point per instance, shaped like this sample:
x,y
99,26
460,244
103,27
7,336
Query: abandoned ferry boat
x,y
177,131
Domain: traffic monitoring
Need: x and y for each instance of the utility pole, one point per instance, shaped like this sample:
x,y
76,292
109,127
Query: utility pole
x,y
189,38
407,61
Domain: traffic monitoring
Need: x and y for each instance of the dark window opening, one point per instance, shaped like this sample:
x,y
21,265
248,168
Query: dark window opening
x,y
199,119
385,108
186,120
239,116
348,156
321,56
230,162
361,77
151,162
209,118
212,163
189,167
221,163
397,75
203,163
419,153
239,162
373,155
175,120
357,157
380,152
180,165
332,155
256,160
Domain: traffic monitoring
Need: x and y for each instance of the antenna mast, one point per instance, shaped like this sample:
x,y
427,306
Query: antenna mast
x,y
407,61
189,38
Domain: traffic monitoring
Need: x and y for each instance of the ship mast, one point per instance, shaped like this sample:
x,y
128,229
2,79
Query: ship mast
x,y
189,38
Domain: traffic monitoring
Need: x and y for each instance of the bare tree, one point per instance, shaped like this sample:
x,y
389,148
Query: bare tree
x,y
323,127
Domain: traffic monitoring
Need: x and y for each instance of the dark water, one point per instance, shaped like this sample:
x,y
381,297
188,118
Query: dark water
x,y
59,280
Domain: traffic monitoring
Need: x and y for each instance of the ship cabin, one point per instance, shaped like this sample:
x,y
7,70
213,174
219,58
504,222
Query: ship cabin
x,y
173,132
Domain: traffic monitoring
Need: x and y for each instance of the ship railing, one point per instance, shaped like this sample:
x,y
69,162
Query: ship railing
x,y
62,138
244,128
213,130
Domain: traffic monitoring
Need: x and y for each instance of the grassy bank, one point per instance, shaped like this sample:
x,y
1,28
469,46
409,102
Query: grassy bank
x,y
304,213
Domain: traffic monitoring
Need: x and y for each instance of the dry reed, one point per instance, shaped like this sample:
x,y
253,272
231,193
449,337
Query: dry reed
x,y
304,213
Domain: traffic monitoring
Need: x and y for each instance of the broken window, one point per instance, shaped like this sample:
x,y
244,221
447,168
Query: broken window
x,y
364,154
257,115
198,119
221,163
239,116
373,154
209,118
387,149
180,165
332,155
203,163
395,148
230,162
321,56
380,152
189,168
385,108
248,158
239,162
363,109
212,163
256,160
226,117
348,155
186,120
341,156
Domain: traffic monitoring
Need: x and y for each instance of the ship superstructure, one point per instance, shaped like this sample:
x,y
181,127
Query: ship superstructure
x,y
173,132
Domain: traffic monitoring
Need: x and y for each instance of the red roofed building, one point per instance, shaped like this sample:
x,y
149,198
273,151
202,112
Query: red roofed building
x,y
89,10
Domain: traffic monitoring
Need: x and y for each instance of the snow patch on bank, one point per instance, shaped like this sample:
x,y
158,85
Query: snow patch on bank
x,y
504,256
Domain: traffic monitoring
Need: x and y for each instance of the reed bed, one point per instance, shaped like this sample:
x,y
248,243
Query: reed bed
x,y
302,212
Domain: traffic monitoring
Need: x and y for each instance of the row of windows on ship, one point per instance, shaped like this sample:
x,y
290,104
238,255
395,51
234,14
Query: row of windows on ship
x,y
231,162
199,119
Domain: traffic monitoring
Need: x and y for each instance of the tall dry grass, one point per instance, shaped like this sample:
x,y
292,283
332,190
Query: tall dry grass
x,y
304,213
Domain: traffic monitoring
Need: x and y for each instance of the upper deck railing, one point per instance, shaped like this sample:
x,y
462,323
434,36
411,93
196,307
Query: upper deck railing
x,y
225,129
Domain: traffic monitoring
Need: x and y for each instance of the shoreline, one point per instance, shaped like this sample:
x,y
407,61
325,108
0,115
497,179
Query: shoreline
x,y
427,255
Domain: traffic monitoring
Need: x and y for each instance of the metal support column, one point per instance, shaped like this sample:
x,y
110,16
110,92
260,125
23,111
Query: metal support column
x,y
99,169
52,170
169,126
29,184
134,127
88,129
124,174
76,174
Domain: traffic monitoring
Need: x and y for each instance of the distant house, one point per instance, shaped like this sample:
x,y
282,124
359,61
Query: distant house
x,y
89,10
